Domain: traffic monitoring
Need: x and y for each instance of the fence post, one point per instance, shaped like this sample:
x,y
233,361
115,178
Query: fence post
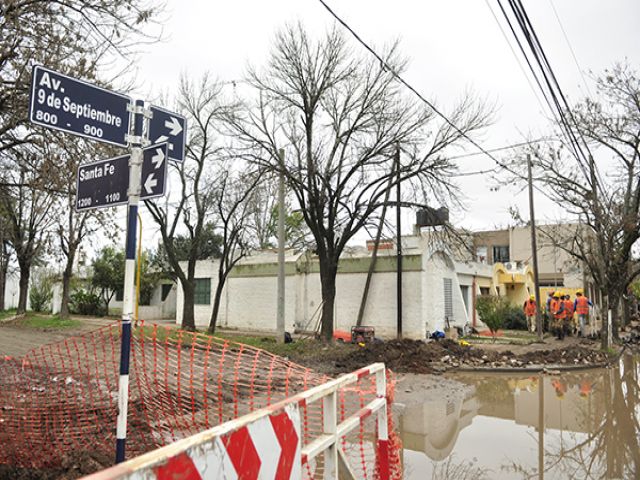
x,y
330,427
382,450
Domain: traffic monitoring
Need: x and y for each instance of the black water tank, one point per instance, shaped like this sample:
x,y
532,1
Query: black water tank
x,y
432,217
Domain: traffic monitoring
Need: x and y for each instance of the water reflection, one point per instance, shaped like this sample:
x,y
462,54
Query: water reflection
x,y
570,426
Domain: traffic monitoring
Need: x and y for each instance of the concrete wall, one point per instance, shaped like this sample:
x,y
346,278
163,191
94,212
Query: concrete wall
x,y
12,291
249,300
552,261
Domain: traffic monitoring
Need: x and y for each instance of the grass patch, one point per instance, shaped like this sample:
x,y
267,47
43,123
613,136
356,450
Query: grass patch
x,y
298,349
38,321
7,313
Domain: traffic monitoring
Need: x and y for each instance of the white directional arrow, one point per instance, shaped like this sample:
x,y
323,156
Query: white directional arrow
x,y
158,158
164,138
174,125
150,183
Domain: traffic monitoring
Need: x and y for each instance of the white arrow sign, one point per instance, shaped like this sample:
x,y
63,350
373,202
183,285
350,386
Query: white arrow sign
x,y
158,158
173,125
150,183
164,138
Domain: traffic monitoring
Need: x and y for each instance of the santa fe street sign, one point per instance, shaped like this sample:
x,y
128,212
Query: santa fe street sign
x,y
64,103
169,127
105,183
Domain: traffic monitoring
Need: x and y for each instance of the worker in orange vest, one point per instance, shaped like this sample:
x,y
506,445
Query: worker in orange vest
x,y
568,314
581,307
557,310
530,308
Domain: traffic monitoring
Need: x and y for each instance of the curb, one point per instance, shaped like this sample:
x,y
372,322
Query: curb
x,y
11,319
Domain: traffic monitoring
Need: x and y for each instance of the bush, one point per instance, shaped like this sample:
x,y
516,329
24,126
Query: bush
x,y
492,311
41,294
515,318
86,303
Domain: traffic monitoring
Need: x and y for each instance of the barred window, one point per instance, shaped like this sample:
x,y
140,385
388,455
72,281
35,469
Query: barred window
x,y
202,295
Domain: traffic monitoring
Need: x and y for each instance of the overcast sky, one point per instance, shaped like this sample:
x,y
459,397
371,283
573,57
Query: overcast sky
x,y
453,45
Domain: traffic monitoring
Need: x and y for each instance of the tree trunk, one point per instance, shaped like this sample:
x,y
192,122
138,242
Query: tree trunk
x,y
3,281
222,277
188,316
328,271
66,284
612,302
25,272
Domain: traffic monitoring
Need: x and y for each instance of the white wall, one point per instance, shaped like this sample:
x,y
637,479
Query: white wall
x,y
12,291
250,302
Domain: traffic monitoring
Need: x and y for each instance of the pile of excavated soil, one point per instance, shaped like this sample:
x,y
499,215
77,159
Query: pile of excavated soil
x,y
75,465
415,356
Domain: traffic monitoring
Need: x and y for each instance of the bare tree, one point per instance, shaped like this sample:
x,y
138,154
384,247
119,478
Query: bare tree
x,y
5,256
203,106
27,206
602,194
73,36
233,207
341,118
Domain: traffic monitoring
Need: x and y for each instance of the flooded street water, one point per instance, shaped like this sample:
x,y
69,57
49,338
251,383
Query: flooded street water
x,y
576,425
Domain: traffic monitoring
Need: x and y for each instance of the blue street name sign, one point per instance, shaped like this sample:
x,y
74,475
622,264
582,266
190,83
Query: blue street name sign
x,y
64,103
103,184
169,127
106,183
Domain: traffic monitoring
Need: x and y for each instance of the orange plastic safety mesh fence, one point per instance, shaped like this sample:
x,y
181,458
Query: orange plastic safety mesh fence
x,y
62,398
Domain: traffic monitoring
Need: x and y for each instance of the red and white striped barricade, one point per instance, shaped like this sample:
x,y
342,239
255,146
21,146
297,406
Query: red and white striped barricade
x,y
266,444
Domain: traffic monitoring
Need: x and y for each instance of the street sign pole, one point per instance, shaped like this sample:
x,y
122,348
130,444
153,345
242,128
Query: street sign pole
x,y
135,186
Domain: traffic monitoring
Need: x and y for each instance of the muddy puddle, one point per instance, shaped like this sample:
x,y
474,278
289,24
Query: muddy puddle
x,y
578,425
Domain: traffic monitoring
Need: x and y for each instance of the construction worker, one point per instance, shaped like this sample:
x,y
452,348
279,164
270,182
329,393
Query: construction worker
x,y
556,307
581,307
568,314
530,308
548,311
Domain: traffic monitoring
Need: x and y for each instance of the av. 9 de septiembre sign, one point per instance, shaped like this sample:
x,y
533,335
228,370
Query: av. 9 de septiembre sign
x,y
71,105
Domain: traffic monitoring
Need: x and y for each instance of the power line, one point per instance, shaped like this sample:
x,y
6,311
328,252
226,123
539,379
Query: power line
x,y
399,78
573,53
504,35
562,109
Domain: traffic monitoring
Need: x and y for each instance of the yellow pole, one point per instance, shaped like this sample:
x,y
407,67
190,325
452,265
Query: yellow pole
x,y
139,268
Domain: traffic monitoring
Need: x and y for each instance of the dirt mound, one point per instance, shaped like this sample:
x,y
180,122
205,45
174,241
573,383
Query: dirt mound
x,y
573,354
413,356
74,465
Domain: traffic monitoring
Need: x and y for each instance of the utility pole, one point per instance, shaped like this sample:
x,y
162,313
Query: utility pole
x,y
399,246
281,234
534,252
374,254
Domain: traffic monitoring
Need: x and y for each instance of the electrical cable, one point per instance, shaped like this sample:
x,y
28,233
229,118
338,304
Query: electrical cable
x,y
562,108
573,53
399,78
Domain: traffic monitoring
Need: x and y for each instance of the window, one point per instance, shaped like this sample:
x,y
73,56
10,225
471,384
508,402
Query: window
x,y
500,254
464,289
166,288
202,294
448,299
119,295
481,254
485,291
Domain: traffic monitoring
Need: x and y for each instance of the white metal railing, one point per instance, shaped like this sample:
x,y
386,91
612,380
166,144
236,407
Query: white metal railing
x,y
205,451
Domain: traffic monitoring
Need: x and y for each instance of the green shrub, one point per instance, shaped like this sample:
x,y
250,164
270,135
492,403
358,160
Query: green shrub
x,y
41,294
492,311
86,303
514,318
